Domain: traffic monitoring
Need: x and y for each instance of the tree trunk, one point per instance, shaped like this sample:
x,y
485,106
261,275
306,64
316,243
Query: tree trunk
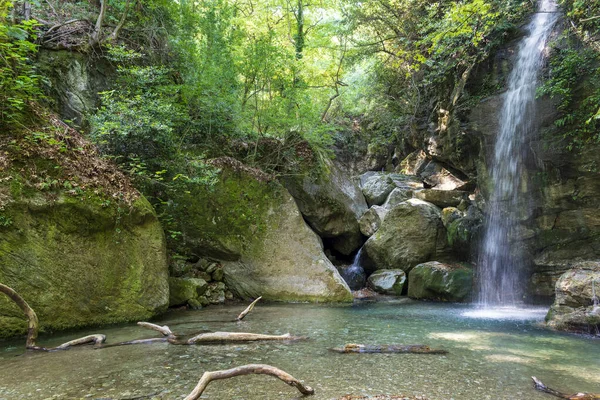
x,y
32,319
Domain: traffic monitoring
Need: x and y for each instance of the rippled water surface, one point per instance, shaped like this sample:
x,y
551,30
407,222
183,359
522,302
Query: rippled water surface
x,y
488,358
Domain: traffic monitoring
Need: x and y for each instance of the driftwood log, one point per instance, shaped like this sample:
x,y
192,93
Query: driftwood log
x,y
248,309
538,385
388,348
263,369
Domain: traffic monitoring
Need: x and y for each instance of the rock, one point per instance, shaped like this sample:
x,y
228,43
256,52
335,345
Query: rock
x,y
371,220
449,215
442,198
387,281
332,206
182,290
396,197
440,282
411,233
77,266
463,232
254,227
441,177
413,163
217,274
376,188
577,303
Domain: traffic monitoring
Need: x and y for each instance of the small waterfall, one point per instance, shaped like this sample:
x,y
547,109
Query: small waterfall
x,y
595,302
354,275
500,263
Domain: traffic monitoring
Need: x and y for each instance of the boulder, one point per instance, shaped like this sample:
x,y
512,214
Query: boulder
x,y
442,198
182,290
81,261
397,196
332,206
411,233
387,281
376,187
577,303
371,220
252,224
440,282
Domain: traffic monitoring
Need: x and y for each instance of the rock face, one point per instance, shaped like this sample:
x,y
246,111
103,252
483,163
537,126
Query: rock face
x,y
387,281
411,233
252,224
577,303
440,282
81,261
332,206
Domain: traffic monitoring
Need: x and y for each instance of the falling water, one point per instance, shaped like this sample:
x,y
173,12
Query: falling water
x,y
354,275
500,262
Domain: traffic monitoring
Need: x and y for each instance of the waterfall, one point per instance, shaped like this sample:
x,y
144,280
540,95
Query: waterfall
x,y
354,275
500,263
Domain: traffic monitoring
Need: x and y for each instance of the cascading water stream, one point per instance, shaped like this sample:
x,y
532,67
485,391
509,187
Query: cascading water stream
x,y
354,275
500,263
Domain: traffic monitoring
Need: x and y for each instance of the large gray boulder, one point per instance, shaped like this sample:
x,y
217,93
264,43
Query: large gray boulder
x,y
442,198
577,303
252,224
376,187
440,282
411,233
332,206
387,281
371,220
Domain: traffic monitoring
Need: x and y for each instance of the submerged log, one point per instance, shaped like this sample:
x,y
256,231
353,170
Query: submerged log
x,y
263,369
538,385
233,337
388,348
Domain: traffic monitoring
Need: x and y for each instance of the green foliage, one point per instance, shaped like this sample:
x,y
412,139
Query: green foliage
x,y
18,80
575,82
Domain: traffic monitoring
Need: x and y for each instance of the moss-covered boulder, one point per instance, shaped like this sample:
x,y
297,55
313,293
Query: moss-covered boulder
x,y
76,240
411,233
332,205
376,187
182,290
371,220
577,303
252,224
387,281
440,282
79,262
442,198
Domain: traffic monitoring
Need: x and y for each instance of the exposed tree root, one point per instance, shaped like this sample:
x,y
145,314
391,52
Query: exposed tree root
x,y
263,369
388,348
538,385
248,309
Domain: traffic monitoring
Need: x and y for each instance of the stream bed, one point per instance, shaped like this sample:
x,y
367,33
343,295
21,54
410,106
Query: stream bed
x,y
488,358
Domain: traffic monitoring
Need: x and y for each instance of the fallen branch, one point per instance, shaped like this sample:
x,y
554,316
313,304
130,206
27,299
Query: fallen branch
x,y
33,325
165,330
538,385
248,309
221,337
260,369
388,348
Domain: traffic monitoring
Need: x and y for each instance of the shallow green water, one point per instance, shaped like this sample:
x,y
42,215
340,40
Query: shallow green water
x,y
488,359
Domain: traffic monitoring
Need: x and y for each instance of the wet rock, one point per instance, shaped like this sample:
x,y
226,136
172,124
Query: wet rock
x,y
411,233
577,303
387,281
440,282
449,215
355,276
371,220
181,290
332,206
442,198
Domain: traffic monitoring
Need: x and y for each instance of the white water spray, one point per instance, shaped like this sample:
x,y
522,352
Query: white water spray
x,y
500,263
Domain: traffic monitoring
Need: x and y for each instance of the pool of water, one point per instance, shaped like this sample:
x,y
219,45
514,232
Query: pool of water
x,y
489,358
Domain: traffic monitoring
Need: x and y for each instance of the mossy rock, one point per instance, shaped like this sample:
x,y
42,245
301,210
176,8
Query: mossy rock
x,y
182,290
252,224
440,282
79,263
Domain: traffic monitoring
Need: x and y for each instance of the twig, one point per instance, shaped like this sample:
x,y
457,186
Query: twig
x,y
248,309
